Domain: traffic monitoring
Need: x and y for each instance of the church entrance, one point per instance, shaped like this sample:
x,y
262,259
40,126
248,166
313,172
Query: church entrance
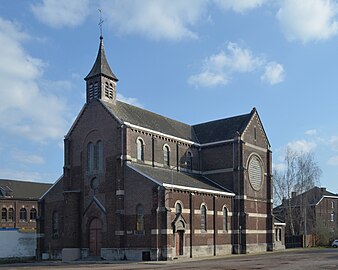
x,y
179,243
95,237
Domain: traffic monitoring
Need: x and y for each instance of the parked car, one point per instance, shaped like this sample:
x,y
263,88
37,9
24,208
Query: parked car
x,y
334,243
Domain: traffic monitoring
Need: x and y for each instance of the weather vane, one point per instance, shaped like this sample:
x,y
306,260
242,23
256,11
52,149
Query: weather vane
x,y
101,21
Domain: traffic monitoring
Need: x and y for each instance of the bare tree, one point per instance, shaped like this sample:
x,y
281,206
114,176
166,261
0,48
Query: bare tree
x,y
301,174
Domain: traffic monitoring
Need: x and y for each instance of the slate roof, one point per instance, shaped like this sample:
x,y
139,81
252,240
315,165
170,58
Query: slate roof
x,y
213,131
174,177
222,129
22,189
313,196
101,66
141,117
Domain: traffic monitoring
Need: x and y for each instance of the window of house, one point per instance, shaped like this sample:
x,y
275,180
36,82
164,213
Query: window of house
x,y
255,133
166,155
140,149
139,219
90,157
188,160
99,156
23,214
203,218
10,214
33,214
332,217
178,208
225,219
96,90
4,214
55,225
332,205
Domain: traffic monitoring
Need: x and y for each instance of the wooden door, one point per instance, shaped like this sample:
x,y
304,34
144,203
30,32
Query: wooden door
x,y
179,243
95,237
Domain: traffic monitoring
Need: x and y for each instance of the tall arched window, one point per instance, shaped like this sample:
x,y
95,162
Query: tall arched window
x,y
178,208
203,218
225,219
140,149
99,156
10,214
90,157
139,219
23,214
188,160
166,155
33,214
4,214
55,225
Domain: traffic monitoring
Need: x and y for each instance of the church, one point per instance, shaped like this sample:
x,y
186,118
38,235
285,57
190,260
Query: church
x,y
137,185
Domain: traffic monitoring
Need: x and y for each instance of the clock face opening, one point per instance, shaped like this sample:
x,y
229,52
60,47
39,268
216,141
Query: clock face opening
x,y
255,173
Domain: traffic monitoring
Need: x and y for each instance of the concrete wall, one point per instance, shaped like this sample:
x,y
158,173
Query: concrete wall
x,y
17,244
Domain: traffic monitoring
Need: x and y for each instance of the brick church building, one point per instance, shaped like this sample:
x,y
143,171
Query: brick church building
x,y
138,185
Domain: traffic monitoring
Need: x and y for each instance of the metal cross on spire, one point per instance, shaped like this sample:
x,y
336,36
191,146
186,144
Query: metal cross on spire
x,y
101,22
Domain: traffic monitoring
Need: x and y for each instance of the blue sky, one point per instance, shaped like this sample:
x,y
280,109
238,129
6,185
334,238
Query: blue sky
x,y
191,60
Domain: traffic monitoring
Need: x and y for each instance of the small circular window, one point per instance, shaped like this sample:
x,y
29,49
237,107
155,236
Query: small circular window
x,y
255,172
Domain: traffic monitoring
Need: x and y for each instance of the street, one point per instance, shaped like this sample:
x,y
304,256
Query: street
x,y
309,259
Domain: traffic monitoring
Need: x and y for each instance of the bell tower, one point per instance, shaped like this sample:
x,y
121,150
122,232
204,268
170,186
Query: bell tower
x,y
101,81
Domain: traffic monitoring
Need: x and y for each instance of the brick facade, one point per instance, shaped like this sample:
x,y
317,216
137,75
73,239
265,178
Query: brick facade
x,y
137,185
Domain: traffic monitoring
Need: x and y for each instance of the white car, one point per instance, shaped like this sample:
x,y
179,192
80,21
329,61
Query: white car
x,y
334,243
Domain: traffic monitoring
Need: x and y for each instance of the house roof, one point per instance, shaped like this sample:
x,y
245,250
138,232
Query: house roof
x,y
101,66
312,196
22,189
172,178
212,131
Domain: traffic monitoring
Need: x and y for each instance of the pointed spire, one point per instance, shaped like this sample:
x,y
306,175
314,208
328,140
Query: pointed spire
x,y
101,66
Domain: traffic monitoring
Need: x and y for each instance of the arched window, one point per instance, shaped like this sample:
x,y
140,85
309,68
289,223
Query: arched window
x,y
140,149
139,219
225,219
32,214
10,214
4,214
90,157
99,156
188,160
55,225
203,218
23,214
178,208
166,155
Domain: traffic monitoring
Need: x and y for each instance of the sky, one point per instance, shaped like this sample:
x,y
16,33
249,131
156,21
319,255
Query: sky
x,y
190,60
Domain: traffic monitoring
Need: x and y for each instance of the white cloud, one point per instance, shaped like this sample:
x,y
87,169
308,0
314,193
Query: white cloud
x,y
132,101
279,166
28,158
333,141
218,69
308,20
161,19
333,161
302,146
239,5
25,109
274,73
61,13
311,132
21,175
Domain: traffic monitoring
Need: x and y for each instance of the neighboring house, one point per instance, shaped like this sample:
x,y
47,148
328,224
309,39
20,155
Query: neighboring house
x,y
279,234
138,185
313,214
19,212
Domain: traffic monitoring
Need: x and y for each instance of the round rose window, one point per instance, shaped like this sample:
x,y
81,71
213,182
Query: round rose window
x,y
255,173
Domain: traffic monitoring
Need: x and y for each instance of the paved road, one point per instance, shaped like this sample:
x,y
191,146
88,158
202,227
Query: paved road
x,y
309,259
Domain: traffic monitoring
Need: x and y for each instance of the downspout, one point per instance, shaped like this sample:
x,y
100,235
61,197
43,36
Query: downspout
x,y
214,220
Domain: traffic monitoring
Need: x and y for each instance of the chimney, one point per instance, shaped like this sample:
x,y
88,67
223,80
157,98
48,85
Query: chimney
x,y
323,189
293,194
